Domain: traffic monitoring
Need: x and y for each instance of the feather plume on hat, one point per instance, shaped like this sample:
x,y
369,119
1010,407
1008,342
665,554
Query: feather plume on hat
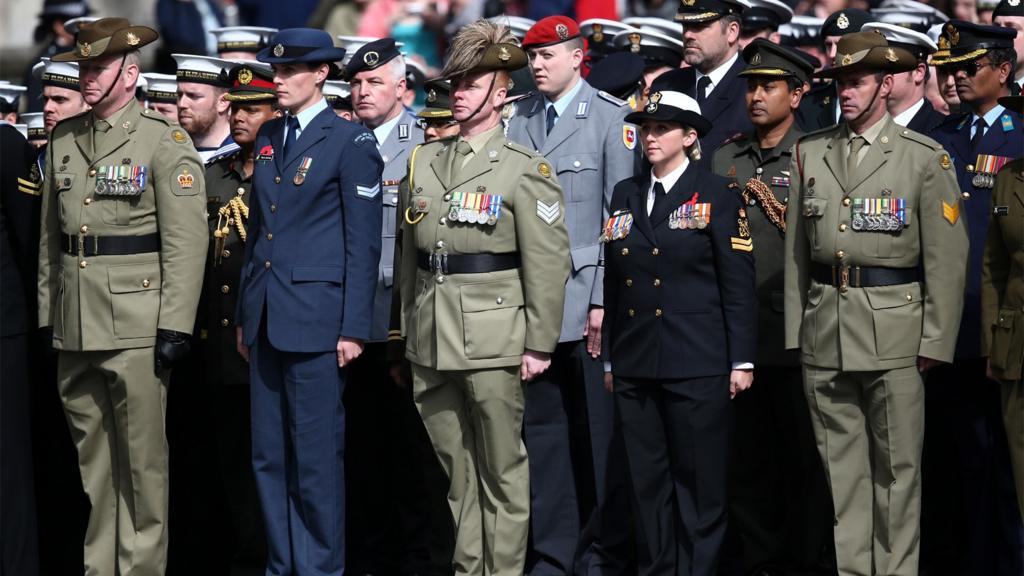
x,y
482,46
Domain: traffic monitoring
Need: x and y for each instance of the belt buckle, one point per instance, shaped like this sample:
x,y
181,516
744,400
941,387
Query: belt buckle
x,y
81,245
439,263
844,278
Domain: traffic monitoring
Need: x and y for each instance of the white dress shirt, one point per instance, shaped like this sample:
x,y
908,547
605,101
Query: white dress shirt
x,y
904,118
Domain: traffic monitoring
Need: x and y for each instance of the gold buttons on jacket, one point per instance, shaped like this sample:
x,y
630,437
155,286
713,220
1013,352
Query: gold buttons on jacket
x,y
145,283
631,312
87,201
657,312
92,172
225,289
625,251
267,264
655,251
240,191
273,207
842,227
84,229
909,297
225,254
657,282
965,194
225,322
846,201
269,236
629,282
277,179
840,254
82,264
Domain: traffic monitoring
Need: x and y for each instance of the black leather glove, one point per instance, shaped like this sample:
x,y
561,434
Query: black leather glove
x,y
44,339
170,347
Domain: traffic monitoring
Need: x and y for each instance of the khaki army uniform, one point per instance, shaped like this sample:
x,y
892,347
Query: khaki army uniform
x,y
861,317
1002,307
466,333
122,245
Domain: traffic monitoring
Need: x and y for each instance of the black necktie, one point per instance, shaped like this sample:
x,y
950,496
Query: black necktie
x,y
979,133
702,88
552,116
659,197
293,131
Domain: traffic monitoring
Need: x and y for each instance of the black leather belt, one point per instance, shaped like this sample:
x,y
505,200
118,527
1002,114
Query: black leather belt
x,y
109,245
862,276
466,263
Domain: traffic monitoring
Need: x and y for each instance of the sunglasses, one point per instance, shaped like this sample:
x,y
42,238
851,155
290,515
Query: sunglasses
x,y
435,123
969,68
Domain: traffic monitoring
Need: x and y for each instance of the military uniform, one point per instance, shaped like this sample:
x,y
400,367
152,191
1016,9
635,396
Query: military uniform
x,y
120,268
779,497
866,223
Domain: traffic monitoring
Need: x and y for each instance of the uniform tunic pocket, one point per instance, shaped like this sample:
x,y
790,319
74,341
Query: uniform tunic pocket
x,y
493,318
896,311
135,299
580,176
813,210
1008,343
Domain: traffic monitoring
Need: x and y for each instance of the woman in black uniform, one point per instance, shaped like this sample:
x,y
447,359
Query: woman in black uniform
x,y
680,332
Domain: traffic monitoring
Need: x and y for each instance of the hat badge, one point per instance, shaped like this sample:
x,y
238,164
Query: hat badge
x,y
131,39
504,55
891,56
634,41
279,50
846,60
432,96
843,22
371,58
1013,3
756,60
244,76
84,49
943,43
689,2
652,104
598,33
563,31
954,35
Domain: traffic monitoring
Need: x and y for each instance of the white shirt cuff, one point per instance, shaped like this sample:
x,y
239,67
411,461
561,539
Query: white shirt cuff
x,y
742,365
607,366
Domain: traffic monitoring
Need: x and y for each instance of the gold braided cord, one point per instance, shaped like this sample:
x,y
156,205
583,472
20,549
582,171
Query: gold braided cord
x,y
774,210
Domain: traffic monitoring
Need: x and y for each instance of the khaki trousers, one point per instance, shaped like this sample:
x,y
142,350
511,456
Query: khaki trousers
x,y
869,429
115,408
475,420
1013,421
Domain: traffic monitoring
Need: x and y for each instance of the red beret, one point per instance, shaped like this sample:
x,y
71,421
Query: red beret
x,y
550,31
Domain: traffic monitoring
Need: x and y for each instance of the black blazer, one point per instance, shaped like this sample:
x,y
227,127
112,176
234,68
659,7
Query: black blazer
x,y
20,201
725,107
679,303
926,119
818,107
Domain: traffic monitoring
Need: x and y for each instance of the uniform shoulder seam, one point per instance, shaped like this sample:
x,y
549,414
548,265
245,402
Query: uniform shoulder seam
x,y
614,100
913,136
521,149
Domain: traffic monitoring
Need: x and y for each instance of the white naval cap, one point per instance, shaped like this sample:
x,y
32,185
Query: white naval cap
x,y
909,13
518,25
336,91
203,69
242,38
72,26
920,45
802,29
657,49
161,88
669,28
35,125
9,93
22,129
61,74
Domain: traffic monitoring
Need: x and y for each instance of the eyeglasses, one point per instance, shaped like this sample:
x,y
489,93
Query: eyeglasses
x,y
969,68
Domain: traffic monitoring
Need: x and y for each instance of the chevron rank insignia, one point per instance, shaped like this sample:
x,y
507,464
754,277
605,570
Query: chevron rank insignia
x,y
951,212
29,187
742,244
548,212
368,192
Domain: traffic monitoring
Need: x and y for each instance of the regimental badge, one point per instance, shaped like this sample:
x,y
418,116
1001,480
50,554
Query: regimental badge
x,y
891,56
629,136
1013,3
846,60
131,39
634,41
279,50
503,54
945,162
431,96
943,42
618,226
84,49
689,2
842,22
244,76
179,136
598,34
185,180
652,103
756,60
544,170
371,58
563,31
953,33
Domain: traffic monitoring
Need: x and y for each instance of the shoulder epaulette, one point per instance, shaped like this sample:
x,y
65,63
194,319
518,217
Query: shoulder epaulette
x,y
521,149
920,139
153,115
819,132
67,122
735,138
617,101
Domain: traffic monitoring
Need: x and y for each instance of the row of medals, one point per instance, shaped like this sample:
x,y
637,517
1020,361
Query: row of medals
x,y
984,180
688,218
119,187
459,213
876,222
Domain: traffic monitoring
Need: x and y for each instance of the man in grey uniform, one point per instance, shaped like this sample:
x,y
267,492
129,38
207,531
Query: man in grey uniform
x,y
583,134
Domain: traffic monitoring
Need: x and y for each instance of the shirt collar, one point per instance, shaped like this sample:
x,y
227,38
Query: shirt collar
x,y
382,132
904,118
564,101
478,142
718,74
307,115
991,116
671,178
871,133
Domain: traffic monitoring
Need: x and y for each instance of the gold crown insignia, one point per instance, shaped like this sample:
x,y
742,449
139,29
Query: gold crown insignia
x,y
244,76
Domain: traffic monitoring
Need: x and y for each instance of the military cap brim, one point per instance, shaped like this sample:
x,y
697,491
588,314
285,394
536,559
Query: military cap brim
x,y
251,82
618,73
503,56
868,51
107,37
1010,8
700,11
438,105
671,106
765,58
371,56
301,45
969,40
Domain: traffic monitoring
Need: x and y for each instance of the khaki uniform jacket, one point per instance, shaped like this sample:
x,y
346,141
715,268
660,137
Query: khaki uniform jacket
x,y
486,320
883,327
112,302
1002,280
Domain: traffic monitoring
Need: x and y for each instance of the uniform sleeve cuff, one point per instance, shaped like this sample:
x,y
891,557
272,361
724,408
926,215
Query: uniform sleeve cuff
x,y
742,365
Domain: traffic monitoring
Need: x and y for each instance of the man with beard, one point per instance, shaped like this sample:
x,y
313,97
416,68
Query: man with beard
x,y
907,103
202,110
779,504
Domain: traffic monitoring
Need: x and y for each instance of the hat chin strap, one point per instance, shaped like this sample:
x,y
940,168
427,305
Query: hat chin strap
x,y
865,110
494,78
120,70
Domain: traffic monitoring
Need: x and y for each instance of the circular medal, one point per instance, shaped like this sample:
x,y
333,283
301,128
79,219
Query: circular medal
x,y
453,213
481,217
702,223
858,221
979,180
492,219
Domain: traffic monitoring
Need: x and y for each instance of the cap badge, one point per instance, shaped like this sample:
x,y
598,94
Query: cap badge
x,y
652,104
131,39
279,50
503,54
371,58
943,42
634,41
843,22
891,56
598,33
954,35
84,49
563,31
1013,3
846,60
689,2
756,60
244,76
432,96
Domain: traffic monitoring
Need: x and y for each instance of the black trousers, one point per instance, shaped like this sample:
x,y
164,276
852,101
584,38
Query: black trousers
x,y
18,539
780,510
579,513
398,519
677,435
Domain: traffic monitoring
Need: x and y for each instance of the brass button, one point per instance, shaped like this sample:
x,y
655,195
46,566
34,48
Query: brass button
x,y
240,191
84,229
447,197
225,322
657,282
273,207
270,236
629,282
92,172
631,312
443,221
655,251
267,264
657,312
277,179
966,195
225,289
225,253
909,297
970,167
439,279
846,201
840,254
82,264
625,251
499,300
87,201
145,283
842,227
440,244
